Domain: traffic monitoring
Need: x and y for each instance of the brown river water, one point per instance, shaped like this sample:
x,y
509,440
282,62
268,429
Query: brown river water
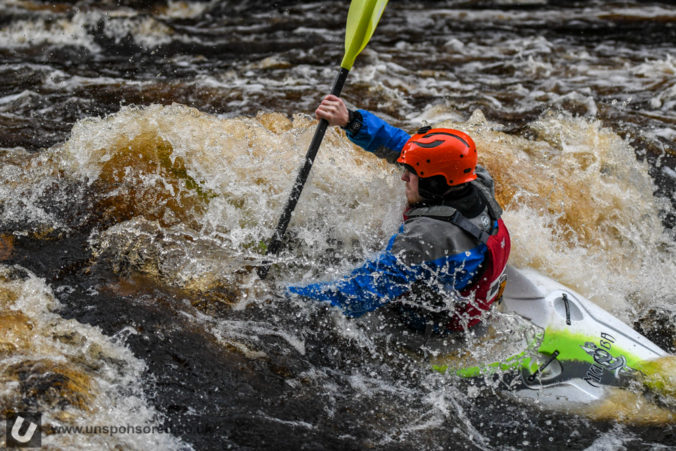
x,y
147,149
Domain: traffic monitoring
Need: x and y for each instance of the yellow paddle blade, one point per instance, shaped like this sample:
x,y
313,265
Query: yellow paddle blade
x,y
362,19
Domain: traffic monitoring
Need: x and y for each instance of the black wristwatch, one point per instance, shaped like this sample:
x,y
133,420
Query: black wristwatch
x,y
354,122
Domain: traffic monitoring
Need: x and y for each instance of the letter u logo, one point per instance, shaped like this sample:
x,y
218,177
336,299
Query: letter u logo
x,y
26,436
23,430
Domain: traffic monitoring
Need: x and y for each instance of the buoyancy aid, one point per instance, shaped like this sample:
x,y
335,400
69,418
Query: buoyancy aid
x,y
488,286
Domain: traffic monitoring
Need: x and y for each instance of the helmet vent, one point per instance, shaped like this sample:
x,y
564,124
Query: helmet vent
x,y
447,134
428,145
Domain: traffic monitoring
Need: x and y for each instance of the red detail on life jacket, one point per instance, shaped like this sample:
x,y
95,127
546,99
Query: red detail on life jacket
x,y
489,286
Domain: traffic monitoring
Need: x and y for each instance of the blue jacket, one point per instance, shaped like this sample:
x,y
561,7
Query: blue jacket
x,y
427,251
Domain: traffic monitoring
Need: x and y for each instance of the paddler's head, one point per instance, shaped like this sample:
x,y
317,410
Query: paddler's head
x,y
437,161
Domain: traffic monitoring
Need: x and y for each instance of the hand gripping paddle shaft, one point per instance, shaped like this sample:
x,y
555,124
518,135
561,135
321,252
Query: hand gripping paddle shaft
x,y
362,19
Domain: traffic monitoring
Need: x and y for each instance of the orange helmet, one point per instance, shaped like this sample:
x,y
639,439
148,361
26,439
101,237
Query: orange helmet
x,y
441,151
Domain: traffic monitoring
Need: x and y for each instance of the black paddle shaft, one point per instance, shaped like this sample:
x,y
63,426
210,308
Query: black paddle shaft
x,y
285,218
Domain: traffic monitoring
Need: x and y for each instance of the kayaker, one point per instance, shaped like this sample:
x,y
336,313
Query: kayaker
x,y
446,265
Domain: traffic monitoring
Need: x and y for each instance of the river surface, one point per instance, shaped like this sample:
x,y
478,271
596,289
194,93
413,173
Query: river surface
x,y
147,149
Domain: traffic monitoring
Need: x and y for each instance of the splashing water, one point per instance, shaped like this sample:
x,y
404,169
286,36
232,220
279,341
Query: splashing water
x,y
142,225
72,372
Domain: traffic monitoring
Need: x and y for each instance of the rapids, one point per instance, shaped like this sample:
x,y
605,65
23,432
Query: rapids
x,y
148,148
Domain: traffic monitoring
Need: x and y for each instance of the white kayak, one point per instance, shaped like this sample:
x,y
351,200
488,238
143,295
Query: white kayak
x,y
581,352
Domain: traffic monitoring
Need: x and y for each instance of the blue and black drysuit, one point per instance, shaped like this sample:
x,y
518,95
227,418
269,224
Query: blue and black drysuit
x,y
430,260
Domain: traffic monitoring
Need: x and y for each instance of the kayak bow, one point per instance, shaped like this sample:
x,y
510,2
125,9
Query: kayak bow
x,y
582,352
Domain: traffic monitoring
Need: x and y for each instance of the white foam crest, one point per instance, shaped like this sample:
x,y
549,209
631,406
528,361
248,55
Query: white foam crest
x,y
24,182
429,17
115,395
245,166
14,97
657,67
179,9
660,72
537,242
146,31
252,168
629,252
350,194
59,80
671,173
79,29
352,197
394,84
59,32
643,12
